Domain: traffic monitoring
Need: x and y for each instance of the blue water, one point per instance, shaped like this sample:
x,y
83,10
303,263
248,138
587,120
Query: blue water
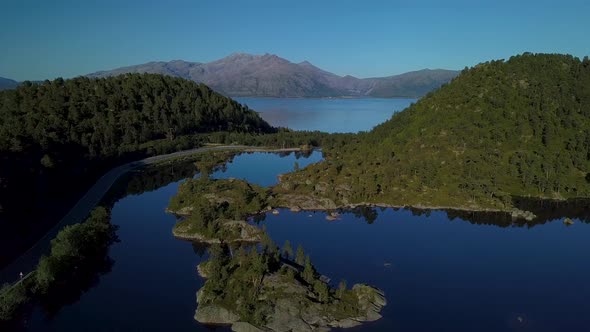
x,y
439,273
333,115
452,275
153,282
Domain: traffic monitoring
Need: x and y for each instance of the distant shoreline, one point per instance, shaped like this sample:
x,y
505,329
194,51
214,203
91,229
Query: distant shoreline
x,y
339,97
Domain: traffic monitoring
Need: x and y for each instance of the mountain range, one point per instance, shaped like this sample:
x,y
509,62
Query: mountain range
x,y
268,75
6,83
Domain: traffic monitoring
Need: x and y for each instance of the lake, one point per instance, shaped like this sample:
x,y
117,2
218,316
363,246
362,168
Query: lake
x,y
332,115
440,270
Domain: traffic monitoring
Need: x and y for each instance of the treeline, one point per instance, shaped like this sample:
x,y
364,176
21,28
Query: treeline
x,y
500,129
79,255
56,137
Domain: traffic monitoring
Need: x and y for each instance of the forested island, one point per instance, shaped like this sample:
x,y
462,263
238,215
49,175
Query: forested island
x,y
259,288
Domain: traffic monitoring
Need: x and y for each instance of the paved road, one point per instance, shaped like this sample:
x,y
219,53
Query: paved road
x,y
28,260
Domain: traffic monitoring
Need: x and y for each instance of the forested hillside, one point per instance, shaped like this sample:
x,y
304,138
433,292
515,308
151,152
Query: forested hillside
x,y
503,128
58,134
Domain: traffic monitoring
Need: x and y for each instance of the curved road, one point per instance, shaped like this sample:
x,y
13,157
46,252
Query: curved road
x,y
27,261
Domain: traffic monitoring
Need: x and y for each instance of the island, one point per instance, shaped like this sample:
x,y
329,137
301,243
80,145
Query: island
x,y
252,284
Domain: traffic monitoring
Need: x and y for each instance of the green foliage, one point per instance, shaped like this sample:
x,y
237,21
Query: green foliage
x,y
73,247
213,204
308,271
78,127
341,288
300,255
76,252
12,300
287,249
322,291
503,128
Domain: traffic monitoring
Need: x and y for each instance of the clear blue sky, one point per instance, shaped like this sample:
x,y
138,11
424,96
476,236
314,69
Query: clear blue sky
x,y
47,39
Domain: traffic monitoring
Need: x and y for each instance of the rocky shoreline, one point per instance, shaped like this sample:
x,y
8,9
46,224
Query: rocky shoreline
x,y
294,312
299,202
247,233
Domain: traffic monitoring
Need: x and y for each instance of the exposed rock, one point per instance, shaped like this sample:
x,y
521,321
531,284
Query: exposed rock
x,y
345,323
202,270
212,314
333,216
185,211
295,310
295,209
307,202
321,187
245,231
568,222
216,199
245,327
371,300
343,187
520,214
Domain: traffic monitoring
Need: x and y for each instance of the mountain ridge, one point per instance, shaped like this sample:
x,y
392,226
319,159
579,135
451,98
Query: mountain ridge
x,y
7,83
268,75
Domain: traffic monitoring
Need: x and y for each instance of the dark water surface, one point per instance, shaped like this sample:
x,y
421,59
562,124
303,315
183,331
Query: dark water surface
x,y
441,271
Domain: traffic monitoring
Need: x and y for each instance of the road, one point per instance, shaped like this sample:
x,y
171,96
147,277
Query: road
x,y
27,261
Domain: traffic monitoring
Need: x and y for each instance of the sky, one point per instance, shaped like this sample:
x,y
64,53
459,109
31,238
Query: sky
x,y
364,38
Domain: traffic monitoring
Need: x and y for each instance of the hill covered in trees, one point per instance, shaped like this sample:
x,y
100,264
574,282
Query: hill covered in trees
x,y
56,137
501,129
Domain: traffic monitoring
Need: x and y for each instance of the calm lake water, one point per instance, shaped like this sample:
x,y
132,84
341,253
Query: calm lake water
x,y
440,270
333,115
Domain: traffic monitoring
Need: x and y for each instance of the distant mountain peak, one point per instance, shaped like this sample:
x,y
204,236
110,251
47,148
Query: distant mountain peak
x,y
268,75
306,63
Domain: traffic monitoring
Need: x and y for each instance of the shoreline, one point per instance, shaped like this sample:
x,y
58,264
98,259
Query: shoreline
x,y
28,259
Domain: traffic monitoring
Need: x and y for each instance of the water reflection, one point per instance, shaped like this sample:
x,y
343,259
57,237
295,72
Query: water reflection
x,y
545,210
200,248
86,277
436,271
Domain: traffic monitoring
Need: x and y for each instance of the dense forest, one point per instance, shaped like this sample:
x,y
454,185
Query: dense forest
x,y
73,127
500,129
57,137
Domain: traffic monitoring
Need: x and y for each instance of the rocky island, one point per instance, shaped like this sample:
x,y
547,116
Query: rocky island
x,y
267,291
260,287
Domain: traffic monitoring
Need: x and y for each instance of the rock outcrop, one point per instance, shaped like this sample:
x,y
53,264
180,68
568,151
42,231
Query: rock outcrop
x,y
296,309
244,232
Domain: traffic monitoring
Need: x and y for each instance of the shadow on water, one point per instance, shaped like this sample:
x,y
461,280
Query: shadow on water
x,y
66,291
545,211
86,277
